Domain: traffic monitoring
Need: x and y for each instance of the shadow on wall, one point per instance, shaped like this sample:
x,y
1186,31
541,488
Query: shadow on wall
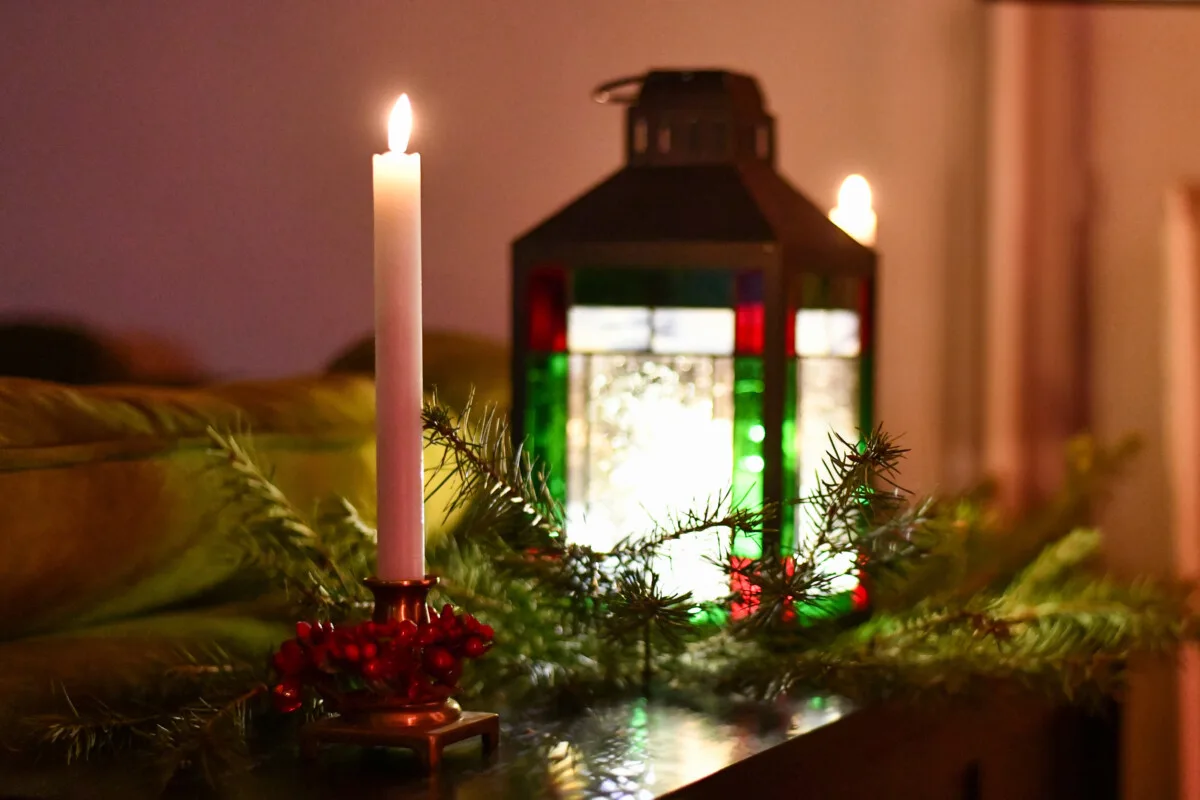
x,y
73,354
455,365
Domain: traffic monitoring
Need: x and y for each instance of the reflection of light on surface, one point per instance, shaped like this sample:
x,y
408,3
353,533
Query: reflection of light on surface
x,y
564,768
640,750
819,712
757,433
649,436
698,751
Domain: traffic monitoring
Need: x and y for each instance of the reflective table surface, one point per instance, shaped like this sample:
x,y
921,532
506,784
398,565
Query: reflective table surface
x,y
636,750
995,746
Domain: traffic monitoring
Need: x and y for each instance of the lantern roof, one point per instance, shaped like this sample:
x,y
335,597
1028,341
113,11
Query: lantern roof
x,y
700,169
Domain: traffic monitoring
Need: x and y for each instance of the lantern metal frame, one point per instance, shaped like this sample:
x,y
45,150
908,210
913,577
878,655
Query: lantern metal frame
x,y
717,203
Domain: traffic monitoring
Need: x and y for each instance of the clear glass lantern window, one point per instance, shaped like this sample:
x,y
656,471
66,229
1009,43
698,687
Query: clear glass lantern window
x,y
650,428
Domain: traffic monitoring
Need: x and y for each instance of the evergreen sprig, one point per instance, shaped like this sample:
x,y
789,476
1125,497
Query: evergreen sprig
x,y
195,717
499,486
320,567
962,598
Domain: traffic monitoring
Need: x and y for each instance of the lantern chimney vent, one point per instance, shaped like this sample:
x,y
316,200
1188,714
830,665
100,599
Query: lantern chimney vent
x,y
677,117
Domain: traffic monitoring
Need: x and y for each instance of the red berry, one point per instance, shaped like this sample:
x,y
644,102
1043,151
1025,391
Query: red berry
x,y
322,631
428,635
470,623
487,632
318,656
439,660
474,647
406,630
304,631
369,629
373,670
291,658
369,650
286,697
447,613
389,668
351,652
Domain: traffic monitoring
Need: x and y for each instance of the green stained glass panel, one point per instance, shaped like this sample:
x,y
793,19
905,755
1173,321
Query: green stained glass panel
x,y
787,521
546,418
748,435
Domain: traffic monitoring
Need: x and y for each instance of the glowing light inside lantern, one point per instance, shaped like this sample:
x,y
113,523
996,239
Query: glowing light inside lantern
x,y
400,125
650,432
853,212
650,437
828,343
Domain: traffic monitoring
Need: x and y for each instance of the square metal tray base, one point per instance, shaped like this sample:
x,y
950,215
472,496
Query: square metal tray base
x,y
426,742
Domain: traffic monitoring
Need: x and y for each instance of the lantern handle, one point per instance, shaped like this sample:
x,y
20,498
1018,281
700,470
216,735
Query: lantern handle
x,y
606,92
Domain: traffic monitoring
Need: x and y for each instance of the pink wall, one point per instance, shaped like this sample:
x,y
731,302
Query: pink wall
x,y
202,169
1146,120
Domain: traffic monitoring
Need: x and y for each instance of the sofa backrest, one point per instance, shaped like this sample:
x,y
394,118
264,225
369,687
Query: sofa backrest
x,y
110,504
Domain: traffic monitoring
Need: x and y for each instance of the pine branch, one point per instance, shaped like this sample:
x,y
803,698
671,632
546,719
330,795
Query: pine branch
x,y
195,716
276,539
856,486
1056,564
80,737
717,516
351,542
499,487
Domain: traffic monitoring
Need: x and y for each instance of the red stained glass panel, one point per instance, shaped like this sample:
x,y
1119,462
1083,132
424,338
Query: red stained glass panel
x,y
749,316
548,309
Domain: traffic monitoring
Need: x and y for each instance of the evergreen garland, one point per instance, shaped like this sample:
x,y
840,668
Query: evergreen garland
x,y
959,598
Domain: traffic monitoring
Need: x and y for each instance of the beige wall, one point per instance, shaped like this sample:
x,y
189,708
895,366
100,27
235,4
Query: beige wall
x,y
1146,141
1146,115
202,170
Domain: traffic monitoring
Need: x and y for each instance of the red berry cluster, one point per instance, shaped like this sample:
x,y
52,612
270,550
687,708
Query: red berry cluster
x,y
421,663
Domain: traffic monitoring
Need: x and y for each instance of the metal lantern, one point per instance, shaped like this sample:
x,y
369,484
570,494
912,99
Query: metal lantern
x,y
691,324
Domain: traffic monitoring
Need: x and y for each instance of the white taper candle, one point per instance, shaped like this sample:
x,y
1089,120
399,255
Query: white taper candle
x,y
398,374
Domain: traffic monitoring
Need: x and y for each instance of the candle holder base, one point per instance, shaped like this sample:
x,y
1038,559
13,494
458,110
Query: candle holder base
x,y
424,735
369,719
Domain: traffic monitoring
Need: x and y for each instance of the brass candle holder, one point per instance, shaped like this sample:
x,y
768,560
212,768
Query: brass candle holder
x,y
370,719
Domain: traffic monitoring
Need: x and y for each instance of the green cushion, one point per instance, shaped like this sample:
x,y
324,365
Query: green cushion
x,y
109,501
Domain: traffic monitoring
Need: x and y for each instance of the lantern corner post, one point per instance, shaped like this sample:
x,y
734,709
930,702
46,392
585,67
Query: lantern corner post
x,y
775,394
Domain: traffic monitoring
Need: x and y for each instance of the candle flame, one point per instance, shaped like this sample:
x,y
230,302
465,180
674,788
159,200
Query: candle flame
x,y
400,125
853,213
855,193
